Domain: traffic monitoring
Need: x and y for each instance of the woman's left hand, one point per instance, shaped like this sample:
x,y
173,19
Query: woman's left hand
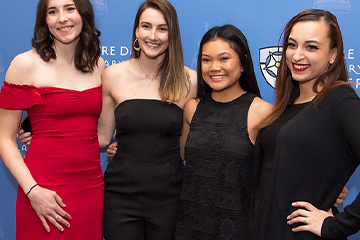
x,y
311,217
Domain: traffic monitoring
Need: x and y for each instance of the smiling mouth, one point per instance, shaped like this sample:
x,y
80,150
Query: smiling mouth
x,y
64,29
153,45
300,67
217,77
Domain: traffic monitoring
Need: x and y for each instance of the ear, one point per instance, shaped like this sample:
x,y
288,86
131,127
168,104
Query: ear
x,y
333,55
137,31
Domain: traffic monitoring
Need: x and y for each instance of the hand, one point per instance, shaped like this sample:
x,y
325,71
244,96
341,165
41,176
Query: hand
x,y
340,199
25,137
111,150
48,205
310,216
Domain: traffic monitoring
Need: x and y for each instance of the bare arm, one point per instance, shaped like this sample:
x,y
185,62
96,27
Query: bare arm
x,y
46,203
189,111
106,123
258,111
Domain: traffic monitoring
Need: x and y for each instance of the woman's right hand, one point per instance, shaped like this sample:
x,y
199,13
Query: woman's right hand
x,y
25,137
48,205
111,150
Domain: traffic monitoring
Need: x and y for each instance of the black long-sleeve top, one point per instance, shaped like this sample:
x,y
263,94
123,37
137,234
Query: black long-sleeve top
x,y
316,153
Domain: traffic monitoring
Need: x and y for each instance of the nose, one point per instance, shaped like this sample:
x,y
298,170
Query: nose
x,y
63,17
215,66
153,35
298,54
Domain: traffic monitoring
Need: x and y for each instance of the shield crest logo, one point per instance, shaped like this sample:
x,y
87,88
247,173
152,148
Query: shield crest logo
x,y
269,63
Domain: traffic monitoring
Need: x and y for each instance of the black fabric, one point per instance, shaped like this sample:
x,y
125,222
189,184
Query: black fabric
x,y
316,153
215,201
143,181
263,164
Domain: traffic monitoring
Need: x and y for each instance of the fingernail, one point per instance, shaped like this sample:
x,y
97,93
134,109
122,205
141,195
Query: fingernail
x,y
288,217
293,204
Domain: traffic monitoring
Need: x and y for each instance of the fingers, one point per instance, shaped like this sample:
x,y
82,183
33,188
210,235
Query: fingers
x,y
61,211
46,226
111,150
305,205
25,137
49,208
298,215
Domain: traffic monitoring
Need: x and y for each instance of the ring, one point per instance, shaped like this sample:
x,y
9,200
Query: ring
x,y
56,218
304,220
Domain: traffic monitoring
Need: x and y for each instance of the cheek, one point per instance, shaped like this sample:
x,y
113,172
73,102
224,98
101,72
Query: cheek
x,y
288,59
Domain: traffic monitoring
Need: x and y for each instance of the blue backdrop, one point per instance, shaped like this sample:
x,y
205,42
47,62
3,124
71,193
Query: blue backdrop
x,y
261,21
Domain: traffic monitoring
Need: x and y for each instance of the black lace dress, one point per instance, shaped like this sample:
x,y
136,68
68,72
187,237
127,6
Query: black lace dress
x,y
215,200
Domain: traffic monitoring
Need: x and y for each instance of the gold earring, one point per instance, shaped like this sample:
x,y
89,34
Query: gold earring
x,y
136,48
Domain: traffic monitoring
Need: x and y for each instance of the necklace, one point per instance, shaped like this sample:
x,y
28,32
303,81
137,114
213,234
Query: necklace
x,y
146,75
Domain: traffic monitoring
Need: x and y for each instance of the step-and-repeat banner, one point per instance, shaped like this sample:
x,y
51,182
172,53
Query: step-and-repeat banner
x,y
261,21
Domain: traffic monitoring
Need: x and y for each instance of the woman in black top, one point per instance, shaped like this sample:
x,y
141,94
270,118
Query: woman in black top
x,y
316,149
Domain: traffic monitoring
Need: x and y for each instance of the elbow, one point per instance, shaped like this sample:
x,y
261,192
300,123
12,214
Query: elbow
x,y
103,142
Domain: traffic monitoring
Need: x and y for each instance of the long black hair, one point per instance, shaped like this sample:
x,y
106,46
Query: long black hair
x,y
238,43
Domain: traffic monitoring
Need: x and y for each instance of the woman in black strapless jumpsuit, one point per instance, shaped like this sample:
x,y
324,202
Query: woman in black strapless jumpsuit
x,y
144,179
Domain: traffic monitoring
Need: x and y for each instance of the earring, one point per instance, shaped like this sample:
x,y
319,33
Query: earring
x,y
136,48
51,37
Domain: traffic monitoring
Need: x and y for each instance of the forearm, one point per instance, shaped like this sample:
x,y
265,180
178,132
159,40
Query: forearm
x,y
13,160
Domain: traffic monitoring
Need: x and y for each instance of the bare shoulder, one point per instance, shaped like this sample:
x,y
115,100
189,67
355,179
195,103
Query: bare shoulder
x,y
101,64
193,81
260,107
22,68
190,109
116,72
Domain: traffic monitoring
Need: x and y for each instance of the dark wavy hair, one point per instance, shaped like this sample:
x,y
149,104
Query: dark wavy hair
x,y
87,50
238,43
287,89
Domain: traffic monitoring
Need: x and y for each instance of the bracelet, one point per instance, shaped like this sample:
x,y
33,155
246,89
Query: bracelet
x,y
31,189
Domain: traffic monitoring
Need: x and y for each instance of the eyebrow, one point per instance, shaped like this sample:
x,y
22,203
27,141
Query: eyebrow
x,y
66,5
223,53
145,22
308,41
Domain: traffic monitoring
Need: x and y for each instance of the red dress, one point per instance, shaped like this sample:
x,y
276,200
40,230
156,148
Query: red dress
x,y
63,156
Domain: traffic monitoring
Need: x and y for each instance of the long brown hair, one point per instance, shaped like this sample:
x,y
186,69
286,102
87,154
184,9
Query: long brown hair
x,y
287,89
174,80
87,50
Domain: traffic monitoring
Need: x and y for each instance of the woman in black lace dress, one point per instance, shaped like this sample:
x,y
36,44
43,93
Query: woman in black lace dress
x,y
218,131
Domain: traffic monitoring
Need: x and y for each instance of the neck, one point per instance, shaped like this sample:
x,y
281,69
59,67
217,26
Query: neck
x,y
306,92
64,51
149,66
227,95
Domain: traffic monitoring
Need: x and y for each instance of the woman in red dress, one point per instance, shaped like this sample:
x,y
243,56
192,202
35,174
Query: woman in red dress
x,y
60,193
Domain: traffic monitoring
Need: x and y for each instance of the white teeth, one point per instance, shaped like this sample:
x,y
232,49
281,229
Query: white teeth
x,y
64,29
300,66
153,44
218,77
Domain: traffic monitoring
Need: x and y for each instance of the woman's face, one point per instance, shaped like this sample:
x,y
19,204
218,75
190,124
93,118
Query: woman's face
x,y
221,66
308,53
63,20
152,33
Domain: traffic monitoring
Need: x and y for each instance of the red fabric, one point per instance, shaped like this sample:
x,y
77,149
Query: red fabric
x,y
64,157
13,96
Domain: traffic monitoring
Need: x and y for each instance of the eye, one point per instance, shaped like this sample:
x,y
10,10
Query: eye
x,y
163,29
291,45
313,47
145,26
205,60
71,9
224,58
51,12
